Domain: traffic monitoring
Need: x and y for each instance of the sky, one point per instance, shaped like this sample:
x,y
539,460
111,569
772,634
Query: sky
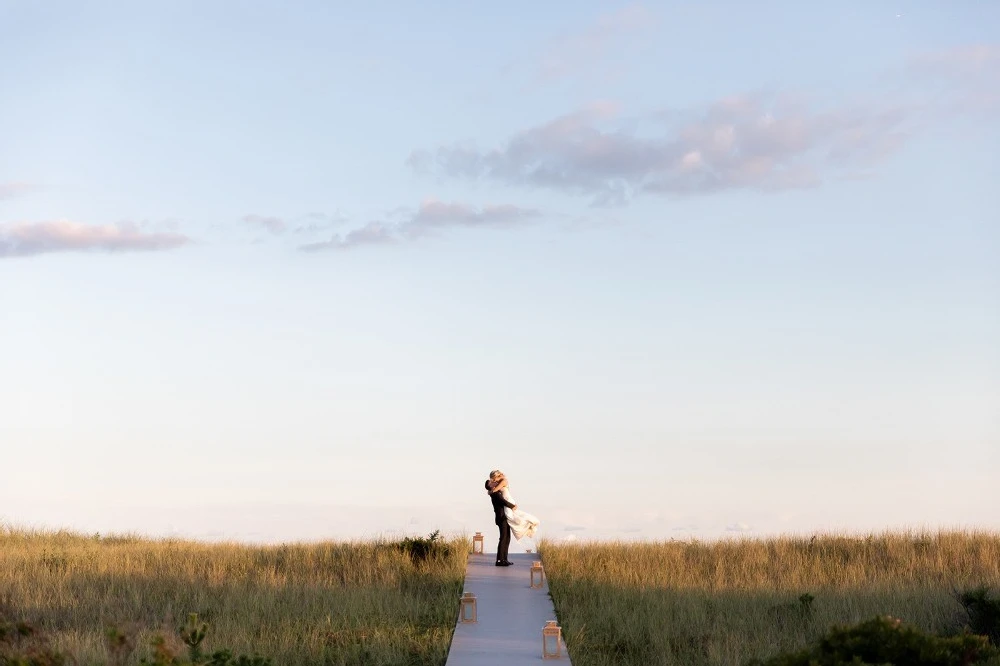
x,y
297,271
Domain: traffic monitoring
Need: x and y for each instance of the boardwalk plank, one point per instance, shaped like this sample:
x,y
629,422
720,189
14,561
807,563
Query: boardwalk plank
x,y
511,616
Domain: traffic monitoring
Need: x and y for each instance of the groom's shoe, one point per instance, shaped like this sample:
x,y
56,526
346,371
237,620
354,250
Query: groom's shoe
x,y
506,563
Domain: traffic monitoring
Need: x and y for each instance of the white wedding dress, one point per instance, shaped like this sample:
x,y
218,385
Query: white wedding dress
x,y
522,524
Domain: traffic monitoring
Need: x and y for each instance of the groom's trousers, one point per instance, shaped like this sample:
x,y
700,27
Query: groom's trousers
x,y
504,542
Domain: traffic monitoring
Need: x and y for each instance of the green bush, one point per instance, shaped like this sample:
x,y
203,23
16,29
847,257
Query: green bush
x,y
421,549
983,613
885,641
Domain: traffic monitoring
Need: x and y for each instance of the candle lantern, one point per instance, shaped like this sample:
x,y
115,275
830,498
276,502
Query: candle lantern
x,y
537,574
469,614
551,640
477,544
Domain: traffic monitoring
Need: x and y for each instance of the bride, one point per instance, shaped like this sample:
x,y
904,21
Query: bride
x,y
522,523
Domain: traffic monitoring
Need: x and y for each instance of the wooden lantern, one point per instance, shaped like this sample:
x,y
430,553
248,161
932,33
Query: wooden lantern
x,y
477,544
551,640
537,574
468,614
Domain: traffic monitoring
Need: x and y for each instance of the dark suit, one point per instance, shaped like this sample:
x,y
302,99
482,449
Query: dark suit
x,y
498,506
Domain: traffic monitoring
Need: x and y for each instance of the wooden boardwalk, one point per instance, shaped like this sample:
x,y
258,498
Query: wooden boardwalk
x,y
511,615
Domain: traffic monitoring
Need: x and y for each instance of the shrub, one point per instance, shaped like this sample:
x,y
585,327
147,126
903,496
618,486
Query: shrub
x,y
983,613
23,644
192,634
421,549
885,640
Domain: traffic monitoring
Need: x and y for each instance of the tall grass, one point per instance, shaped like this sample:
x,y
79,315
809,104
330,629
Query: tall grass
x,y
327,603
727,602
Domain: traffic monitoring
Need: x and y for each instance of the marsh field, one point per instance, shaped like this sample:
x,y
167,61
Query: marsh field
x,y
381,603
329,603
728,602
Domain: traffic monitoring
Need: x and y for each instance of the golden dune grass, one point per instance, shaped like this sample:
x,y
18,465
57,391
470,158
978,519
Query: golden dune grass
x,y
326,603
730,601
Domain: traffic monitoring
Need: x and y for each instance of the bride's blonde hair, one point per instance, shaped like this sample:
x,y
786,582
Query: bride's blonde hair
x,y
494,474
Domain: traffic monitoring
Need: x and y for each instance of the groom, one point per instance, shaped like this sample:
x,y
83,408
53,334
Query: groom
x,y
498,506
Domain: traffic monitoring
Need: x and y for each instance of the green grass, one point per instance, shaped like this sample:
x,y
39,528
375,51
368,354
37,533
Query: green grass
x,y
727,602
327,603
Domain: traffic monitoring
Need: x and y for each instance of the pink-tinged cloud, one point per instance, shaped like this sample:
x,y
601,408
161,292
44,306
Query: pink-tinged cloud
x,y
274,225
32,238
743,142
589,50
434,215
431,217
14,189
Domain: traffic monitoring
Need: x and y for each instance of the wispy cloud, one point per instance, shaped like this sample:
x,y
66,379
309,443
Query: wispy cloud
x,y
432,217
589,50
436,215
32,238
750,141
373,233
742,142
274,225
317,222
965,79
308,223
969,58
738,527
14,189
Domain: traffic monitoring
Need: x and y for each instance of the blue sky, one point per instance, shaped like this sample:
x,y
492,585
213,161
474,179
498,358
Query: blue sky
x,y
293,270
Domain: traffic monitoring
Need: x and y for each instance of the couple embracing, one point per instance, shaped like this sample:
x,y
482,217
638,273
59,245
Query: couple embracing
x,y
509,519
